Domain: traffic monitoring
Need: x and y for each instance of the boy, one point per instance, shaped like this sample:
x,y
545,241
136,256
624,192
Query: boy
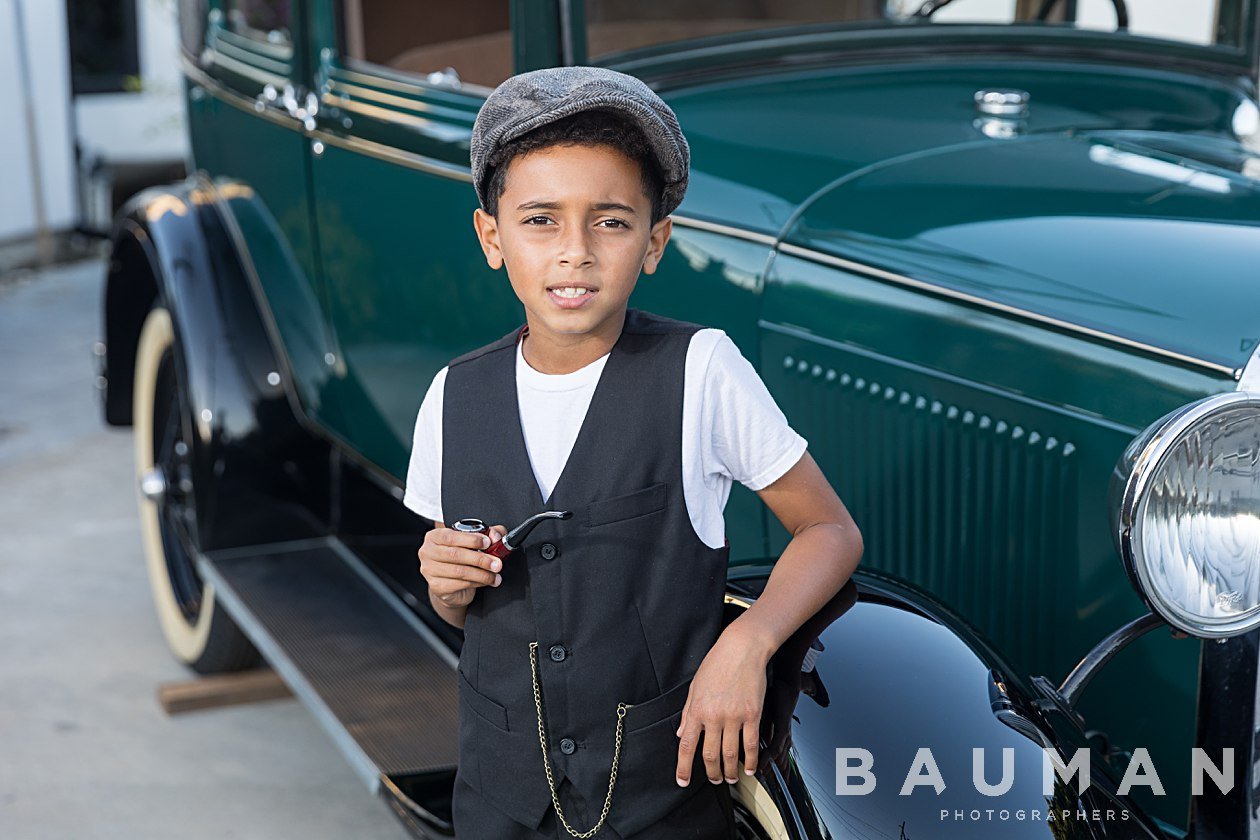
x,y
595,679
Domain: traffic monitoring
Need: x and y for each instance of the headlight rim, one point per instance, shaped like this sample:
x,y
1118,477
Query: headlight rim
x,y
1142,460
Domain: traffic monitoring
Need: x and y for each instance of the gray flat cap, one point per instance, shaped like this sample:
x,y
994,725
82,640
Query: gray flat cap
x,y
528,100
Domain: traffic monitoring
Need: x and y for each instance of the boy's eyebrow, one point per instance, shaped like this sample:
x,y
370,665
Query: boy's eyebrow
x,y
555,205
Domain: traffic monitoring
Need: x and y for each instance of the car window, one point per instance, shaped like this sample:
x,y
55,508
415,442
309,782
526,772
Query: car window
x,y
263,20
1173,20
617,26
473,38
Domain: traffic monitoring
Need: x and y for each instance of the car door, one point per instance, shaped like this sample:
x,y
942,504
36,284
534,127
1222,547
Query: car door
x,y
248,116
253,53
406,285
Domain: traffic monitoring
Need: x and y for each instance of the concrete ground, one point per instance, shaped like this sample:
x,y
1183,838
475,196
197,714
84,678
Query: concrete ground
x,y
85,749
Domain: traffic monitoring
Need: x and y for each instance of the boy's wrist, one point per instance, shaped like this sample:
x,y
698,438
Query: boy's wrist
x,y
451,615
753,637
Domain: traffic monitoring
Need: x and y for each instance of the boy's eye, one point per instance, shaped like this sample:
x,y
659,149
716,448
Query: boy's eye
x,y
544,220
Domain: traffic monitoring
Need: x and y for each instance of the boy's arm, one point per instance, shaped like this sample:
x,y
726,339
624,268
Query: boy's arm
x,y
825,549
727,694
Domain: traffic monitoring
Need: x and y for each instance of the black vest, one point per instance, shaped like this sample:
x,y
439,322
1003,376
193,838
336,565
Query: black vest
x,y
624,599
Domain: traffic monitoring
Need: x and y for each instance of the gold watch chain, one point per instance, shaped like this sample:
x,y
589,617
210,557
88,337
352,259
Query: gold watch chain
x,y
542,741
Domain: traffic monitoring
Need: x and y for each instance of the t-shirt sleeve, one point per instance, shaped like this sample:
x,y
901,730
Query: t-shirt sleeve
x,y
750,438
424,471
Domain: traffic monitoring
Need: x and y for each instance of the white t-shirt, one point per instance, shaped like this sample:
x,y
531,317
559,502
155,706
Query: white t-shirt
x,y
732,431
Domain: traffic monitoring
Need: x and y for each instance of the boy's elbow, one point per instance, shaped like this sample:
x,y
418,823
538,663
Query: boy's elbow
x,y
851,540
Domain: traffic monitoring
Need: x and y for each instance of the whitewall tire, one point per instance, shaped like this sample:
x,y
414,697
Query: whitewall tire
x,y
197,629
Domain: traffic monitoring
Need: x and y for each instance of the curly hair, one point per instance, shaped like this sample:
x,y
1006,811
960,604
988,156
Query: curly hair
x,y
585,128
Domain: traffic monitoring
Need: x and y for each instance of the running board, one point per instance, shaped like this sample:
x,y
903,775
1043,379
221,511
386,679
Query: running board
x,y
374,675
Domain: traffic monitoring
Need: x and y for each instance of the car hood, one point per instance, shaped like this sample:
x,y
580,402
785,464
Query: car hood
x,y
1127,203
1147,236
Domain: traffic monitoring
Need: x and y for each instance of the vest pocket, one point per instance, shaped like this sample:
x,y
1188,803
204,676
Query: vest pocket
x,y
508,769
490,710
646,790
504,766
617,508
666,704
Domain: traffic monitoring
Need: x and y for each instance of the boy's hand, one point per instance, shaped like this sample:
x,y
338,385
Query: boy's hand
x,y
724,703
453,565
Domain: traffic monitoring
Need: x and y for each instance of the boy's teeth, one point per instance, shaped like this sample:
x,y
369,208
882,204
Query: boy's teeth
x,y
571,291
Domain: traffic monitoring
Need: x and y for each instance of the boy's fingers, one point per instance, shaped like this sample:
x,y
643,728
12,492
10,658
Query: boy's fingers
x,y
462,574
463,539
751,734
683,722
455,555
730,752
712,752
689,736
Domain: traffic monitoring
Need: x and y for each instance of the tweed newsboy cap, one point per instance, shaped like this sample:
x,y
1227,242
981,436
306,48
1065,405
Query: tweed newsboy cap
x,y
528,100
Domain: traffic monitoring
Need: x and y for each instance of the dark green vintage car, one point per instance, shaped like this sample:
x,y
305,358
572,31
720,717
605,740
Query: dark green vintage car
x,y
995,259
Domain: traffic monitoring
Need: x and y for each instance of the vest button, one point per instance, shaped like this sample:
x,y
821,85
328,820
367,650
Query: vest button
x,y
567,746
548,551
558,653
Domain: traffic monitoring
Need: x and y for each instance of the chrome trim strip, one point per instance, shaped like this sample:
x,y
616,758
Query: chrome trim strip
x,y
277,52
390,597
417,87
377,112
338,89
1009,396
393,155
726,230
945,291
248,70
353,76
272,65
363,766
225,94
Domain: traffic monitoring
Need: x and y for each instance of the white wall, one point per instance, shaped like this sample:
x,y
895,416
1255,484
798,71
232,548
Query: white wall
x,y
117,127
148,125
48,69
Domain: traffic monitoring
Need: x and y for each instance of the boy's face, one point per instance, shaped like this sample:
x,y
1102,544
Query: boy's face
x,y
573,218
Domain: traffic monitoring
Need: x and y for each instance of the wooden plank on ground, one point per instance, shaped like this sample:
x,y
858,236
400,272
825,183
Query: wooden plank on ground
x,y
211,692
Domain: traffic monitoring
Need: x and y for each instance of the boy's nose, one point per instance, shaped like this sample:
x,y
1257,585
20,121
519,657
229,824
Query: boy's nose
x,y
575,250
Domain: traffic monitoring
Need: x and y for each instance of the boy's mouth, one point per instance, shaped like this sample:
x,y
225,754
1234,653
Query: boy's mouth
x,y
571,297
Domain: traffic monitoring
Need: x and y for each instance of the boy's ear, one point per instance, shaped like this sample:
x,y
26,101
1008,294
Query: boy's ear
x,y
657,240
487,228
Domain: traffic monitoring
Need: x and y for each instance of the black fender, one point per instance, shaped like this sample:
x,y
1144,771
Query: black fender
x,y
260,470
885,668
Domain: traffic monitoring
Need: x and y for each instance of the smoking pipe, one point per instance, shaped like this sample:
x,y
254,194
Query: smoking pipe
x,y
512,539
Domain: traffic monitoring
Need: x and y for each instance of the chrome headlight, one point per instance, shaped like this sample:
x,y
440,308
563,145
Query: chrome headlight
x,y
1188,496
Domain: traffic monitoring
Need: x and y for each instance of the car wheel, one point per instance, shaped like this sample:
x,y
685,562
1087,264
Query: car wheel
x,y
197,629
756,817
